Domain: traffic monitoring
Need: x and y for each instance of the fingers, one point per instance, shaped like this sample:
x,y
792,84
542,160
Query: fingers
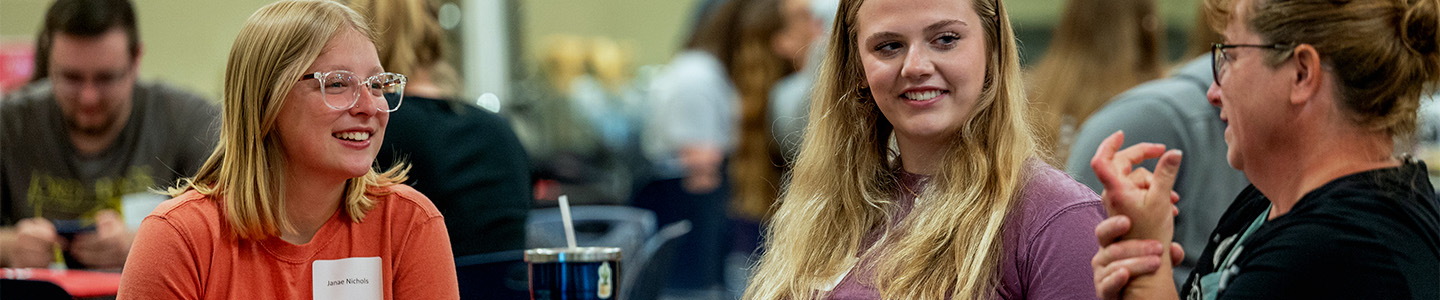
x,y
35,239
1109,286
1136,154
108,218
1111,165
1165,172
37,230
1100,163
100,251
1177,254
1140,177
1111,228
1128,249
107,246
1132,267
1115,264
1174,198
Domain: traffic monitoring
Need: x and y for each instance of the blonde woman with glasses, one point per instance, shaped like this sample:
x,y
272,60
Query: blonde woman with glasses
x,y
962,206
288,206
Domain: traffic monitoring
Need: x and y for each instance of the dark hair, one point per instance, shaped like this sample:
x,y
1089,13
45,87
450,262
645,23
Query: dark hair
x,y
717,32
86,18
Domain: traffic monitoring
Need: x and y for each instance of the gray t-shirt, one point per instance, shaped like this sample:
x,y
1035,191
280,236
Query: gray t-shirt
x,y
692,103
1171,111
168,135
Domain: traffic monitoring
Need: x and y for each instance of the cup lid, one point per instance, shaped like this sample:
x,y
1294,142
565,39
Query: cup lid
x,y
580,254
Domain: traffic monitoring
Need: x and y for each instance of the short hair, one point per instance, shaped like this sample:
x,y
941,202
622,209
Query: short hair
x,y
86,18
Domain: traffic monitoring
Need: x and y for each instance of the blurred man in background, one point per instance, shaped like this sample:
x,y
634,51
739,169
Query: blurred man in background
x,y
82,145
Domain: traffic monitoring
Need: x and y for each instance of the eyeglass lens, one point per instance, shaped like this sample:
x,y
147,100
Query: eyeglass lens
x,y
342,90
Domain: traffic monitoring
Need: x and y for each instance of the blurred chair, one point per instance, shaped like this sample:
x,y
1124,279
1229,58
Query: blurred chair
x,y
495,275
652,263
595,226
31,289
627,228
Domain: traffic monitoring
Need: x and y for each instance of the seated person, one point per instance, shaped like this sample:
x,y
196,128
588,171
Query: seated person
x,y
87,137
464,158
289,206
1313,93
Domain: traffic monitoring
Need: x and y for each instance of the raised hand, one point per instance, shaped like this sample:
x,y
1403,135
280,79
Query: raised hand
x,y
1147,201
1147,198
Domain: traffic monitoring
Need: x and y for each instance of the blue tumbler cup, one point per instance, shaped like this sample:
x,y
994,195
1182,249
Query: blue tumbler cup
x,y
574,273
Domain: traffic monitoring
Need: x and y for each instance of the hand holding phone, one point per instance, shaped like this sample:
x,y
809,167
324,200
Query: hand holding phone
x,y
35,241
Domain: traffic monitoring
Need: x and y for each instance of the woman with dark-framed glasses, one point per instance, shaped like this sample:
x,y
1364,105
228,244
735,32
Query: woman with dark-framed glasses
x,y
1314,93
288,206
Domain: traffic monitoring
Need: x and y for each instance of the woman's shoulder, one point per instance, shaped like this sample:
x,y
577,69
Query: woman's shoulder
x,y
1044,184
1049,197
400,198
187,207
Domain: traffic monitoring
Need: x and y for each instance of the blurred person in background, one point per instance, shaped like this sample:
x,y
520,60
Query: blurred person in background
x,y
1313,94
756,165
1172,111
919,176
806,21
568,148
289,206
690,132
765,54
611,108
87,139
1100,48
464,158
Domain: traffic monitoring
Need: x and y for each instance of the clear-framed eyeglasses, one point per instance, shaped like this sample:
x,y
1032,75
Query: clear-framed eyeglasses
x,y
1220,60
342,89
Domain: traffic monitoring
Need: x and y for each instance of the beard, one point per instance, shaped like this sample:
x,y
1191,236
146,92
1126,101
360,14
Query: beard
x,y
92,127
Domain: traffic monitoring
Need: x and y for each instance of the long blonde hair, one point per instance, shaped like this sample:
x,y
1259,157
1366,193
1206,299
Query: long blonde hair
x,y
1100,48
274,47
843,180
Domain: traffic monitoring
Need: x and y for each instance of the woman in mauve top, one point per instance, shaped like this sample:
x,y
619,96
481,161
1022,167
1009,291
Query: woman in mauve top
x,y
919,176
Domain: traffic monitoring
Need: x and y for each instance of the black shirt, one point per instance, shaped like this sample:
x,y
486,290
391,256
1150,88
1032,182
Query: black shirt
x,y
1369,235
469,162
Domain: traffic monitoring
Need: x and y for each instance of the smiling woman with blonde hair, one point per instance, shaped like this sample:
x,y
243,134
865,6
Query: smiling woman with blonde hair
x,y
961,206
288,206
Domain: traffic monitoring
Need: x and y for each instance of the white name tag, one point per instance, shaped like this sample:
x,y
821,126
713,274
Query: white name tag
x,y
355,278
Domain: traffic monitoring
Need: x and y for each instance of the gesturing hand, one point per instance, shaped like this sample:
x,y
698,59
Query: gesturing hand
x,y
1147,198
1147,201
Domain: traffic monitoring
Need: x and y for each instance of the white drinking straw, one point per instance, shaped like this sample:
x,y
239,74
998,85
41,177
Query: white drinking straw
x,y
565,217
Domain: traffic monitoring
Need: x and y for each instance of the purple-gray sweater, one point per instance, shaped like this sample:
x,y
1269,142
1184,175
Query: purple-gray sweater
x,y
1048,240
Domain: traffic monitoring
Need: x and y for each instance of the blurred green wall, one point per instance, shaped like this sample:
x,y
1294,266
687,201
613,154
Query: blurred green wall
x,y
186,42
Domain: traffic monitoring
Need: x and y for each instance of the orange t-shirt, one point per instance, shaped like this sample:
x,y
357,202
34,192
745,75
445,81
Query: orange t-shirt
x,y
185,250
